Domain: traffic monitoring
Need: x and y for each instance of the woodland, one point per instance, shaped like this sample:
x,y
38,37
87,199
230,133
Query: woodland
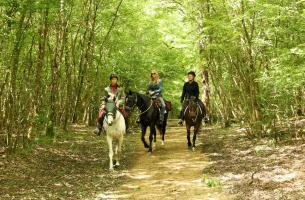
x,y
56,57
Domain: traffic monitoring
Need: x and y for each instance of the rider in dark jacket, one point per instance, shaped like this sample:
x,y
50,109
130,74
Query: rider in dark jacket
x,y
190,89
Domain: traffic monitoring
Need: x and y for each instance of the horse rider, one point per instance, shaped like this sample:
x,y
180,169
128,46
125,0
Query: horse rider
x,y
154,89
190,89
118,93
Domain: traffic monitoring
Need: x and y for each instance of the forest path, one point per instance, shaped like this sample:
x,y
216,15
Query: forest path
x,y
74,165
172,171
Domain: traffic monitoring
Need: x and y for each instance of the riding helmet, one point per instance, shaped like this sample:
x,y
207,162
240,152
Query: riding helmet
x,y
114,75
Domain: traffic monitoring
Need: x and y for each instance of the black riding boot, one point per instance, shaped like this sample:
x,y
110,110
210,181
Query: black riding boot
x,y
127,125
162,112
180,122
99,128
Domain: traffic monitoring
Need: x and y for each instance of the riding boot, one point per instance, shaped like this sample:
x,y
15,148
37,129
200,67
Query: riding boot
x,y
180,122
97,131
127,125
162,110
100,128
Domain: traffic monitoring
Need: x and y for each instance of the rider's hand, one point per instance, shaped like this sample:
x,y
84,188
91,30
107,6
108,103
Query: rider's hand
x,y
102,107
151,92
117,104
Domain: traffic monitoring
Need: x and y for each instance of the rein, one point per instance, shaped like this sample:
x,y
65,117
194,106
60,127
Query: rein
x,y
197,111
147,108
135,104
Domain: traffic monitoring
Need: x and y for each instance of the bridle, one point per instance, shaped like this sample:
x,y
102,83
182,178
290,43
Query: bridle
x,y
197,109
110,113
135,104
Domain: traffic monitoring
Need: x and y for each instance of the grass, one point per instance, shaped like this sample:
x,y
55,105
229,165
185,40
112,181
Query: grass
x,y
211,182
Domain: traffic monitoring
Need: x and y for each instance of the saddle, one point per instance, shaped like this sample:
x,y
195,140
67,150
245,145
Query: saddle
x,y
123,112
168,105
157,103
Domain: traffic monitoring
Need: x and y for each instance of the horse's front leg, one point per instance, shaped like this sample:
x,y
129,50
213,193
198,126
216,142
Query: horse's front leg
x,y
196,129
154,138
118,150
144,127
163,128
162,134
151,136
109,141
188,129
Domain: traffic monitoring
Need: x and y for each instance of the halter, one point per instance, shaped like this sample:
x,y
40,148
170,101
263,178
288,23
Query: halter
x,y
114,117
135,104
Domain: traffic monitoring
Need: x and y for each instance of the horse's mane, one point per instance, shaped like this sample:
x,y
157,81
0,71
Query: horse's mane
x,y
144,99
143,96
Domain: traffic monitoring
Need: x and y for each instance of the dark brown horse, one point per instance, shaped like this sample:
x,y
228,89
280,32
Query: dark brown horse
x,y
193,115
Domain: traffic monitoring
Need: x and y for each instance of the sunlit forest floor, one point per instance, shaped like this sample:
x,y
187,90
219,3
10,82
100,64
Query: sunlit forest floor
x,y
74,166
225,165
256,169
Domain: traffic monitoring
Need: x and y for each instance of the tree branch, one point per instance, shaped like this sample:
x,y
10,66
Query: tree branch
x,y
113,23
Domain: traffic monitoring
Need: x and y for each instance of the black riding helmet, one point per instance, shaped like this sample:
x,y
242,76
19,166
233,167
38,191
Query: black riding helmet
x,y
114,75
192,73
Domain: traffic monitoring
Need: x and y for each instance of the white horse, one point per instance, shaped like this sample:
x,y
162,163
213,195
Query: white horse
x,y
114,125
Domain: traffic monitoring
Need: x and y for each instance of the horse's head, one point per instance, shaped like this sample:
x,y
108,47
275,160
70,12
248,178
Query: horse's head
x,y
192,107
110,111
131,100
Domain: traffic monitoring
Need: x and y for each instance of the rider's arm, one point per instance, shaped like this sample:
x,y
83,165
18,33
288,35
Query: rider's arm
x,y
197,91
122,96
104,97
160,84
183,94
149,89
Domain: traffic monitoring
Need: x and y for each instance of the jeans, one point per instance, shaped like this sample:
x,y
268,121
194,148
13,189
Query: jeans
x,y
162,109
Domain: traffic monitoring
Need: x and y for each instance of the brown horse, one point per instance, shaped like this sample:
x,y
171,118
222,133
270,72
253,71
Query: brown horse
x,y
193,115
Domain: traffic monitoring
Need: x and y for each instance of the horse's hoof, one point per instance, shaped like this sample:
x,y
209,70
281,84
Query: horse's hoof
x,y
111,169
154,144
117,164
163,143
193,148
189,144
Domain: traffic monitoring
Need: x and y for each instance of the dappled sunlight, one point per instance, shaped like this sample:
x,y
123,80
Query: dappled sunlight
x,y
141,174
256,170
277,175
172,172
112,195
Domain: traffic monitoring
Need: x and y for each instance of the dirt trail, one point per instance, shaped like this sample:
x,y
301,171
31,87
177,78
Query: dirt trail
x,y
171,172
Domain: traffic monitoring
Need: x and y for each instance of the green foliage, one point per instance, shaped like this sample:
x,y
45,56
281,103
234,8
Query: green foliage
x,y
56,56
254,53
210,182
